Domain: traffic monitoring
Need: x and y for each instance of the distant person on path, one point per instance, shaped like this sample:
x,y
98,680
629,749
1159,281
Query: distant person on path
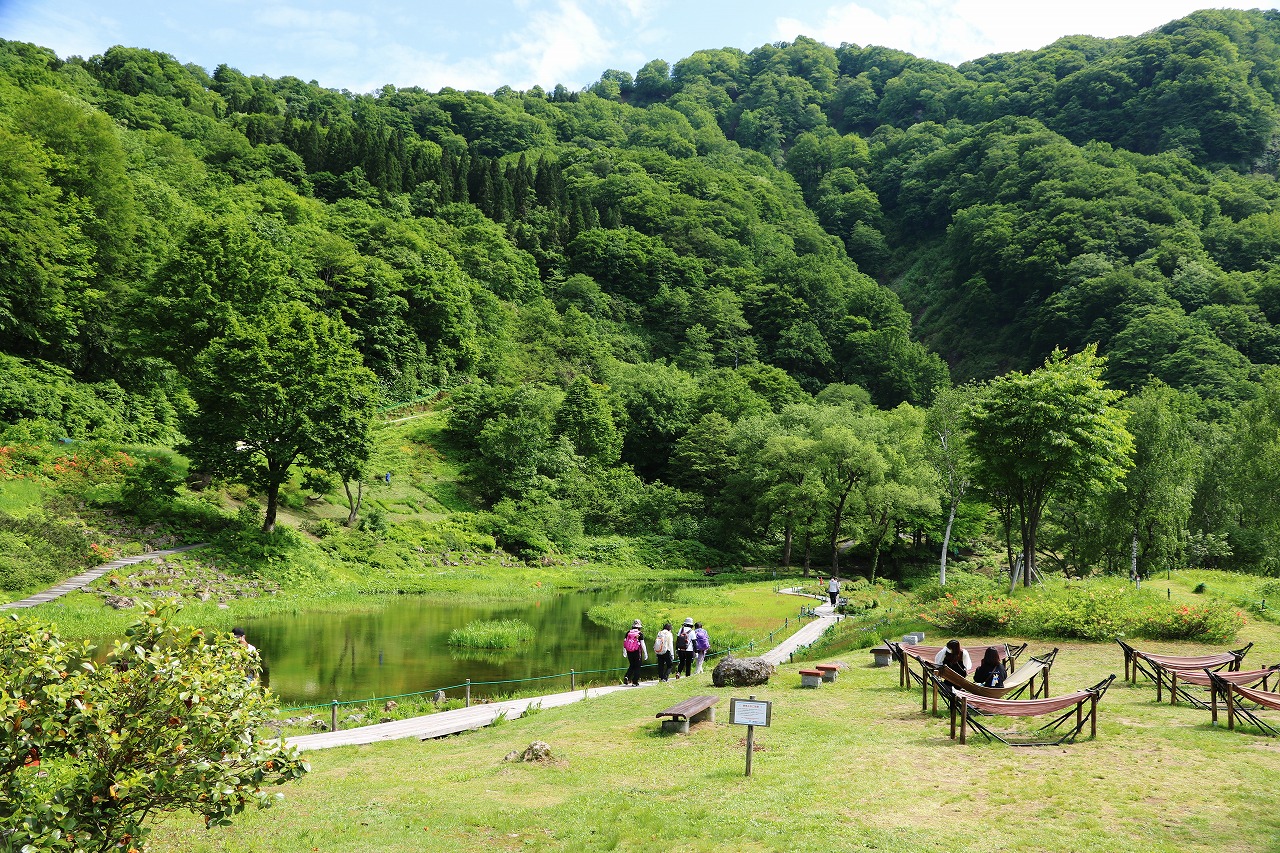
x,y
635,651
664,648
701,644
833,590
684,648
991,672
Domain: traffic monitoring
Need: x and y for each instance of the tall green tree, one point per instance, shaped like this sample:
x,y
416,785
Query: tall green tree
x,y
1055,428
286,386
947,449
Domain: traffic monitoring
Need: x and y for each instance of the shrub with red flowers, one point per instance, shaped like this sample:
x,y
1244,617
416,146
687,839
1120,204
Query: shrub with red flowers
x,y
972,614
1214,622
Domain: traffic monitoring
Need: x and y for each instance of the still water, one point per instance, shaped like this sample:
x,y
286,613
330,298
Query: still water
x,y
403,648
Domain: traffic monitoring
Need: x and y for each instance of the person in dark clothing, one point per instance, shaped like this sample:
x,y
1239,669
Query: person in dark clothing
x,y
991,672
684,649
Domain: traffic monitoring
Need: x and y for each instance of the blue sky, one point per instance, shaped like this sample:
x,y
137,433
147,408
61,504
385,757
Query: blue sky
x,y
484,44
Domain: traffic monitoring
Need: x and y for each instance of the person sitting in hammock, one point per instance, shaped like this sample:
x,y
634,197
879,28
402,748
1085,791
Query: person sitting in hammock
x,y
991,672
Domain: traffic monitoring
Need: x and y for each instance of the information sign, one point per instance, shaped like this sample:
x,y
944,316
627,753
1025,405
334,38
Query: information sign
x,y
750,712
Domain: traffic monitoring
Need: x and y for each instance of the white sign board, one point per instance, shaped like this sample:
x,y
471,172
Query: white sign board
x,y
750,712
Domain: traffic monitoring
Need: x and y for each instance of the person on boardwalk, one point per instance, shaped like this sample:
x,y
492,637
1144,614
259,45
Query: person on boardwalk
x,y
833,590
701,644
684,648
664,648
991,672
635,651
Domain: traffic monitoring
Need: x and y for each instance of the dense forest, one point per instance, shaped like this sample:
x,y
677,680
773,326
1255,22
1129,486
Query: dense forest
x,y
795,303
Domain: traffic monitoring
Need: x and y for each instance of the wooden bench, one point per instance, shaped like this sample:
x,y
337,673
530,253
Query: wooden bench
x,y
829,671
695,709
810,678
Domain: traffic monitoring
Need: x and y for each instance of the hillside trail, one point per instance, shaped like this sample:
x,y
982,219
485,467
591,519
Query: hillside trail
x,y
478,716
85,578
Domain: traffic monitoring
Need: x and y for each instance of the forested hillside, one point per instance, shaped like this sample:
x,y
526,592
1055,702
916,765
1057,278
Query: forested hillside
x,y
718,301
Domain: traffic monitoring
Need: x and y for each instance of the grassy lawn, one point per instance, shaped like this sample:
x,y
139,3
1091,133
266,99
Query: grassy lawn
x,y
851,766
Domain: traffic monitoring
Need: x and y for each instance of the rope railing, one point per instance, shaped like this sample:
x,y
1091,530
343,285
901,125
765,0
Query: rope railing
x,y
572,675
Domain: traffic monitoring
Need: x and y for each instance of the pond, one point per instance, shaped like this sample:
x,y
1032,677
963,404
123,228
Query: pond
x,y
315,657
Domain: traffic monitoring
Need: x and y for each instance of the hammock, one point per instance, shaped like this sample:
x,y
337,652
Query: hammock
x,y
1135,660
904,653
965,704
1180,678
1261,698
1014,686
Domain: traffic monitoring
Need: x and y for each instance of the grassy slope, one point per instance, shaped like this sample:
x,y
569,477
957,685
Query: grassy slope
x,y
852,766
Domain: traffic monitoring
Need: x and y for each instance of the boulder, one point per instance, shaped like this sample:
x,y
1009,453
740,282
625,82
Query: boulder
x,y
536,751
741,672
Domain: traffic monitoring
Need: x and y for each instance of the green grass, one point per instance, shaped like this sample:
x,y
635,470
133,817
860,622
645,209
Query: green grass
x,y
19,496
851,766
492,634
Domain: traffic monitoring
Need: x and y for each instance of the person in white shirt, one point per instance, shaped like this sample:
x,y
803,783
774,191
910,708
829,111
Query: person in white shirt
x,y
833,590
954,656
664,648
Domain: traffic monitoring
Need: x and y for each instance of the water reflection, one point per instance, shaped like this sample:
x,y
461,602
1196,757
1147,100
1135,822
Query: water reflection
x,y
403,648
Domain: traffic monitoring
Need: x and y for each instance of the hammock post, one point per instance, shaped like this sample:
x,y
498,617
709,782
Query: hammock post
x,y
1079,715
964,716
1213,701
1159,685
924,688
1093,716
1173,687
953,719
1231,711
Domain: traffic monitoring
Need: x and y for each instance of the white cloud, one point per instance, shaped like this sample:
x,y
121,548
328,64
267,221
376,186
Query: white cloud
x,y
554,46
957,30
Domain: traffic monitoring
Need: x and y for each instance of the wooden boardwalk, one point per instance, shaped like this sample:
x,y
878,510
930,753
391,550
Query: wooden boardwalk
x,y
478,716
85,578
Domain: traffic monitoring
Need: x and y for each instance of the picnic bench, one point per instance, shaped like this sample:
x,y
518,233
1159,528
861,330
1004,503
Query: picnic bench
x,y
695,709
810,678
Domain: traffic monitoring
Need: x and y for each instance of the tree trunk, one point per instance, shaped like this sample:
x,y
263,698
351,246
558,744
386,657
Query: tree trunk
x,y
835,532
786,544
946,543
353,502
273,500
806,553
1133,557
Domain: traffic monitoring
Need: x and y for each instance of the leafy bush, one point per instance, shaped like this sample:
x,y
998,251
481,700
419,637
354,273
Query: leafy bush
x,y
982,615
36,550
958,584
492,634
1214,622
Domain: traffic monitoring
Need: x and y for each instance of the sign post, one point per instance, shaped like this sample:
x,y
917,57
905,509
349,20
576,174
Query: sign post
x,y
750,713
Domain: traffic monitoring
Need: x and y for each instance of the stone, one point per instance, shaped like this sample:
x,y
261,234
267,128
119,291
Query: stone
x,y
390,706
537,751
438,698
741,672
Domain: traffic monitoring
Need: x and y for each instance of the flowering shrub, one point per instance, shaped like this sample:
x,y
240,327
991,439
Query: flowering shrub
x,y
1089,612
972,614
1213,622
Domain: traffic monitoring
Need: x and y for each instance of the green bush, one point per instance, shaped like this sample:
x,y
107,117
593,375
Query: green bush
x,y
958,584
36,550
1214,622
982,615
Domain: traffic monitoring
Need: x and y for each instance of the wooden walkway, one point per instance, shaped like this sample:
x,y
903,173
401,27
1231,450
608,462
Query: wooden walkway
x,y
85,578
479,716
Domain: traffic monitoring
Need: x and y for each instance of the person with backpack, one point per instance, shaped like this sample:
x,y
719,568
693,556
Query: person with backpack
x,y
634,650
833,590
684,648
701,644
663,647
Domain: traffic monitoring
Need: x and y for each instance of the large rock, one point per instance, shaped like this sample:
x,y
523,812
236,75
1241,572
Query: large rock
x,y
741,672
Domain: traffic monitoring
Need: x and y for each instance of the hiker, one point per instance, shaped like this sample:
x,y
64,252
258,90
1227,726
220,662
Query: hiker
x,y
634,650
991,672
701,644
833,590
684,648
664,648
